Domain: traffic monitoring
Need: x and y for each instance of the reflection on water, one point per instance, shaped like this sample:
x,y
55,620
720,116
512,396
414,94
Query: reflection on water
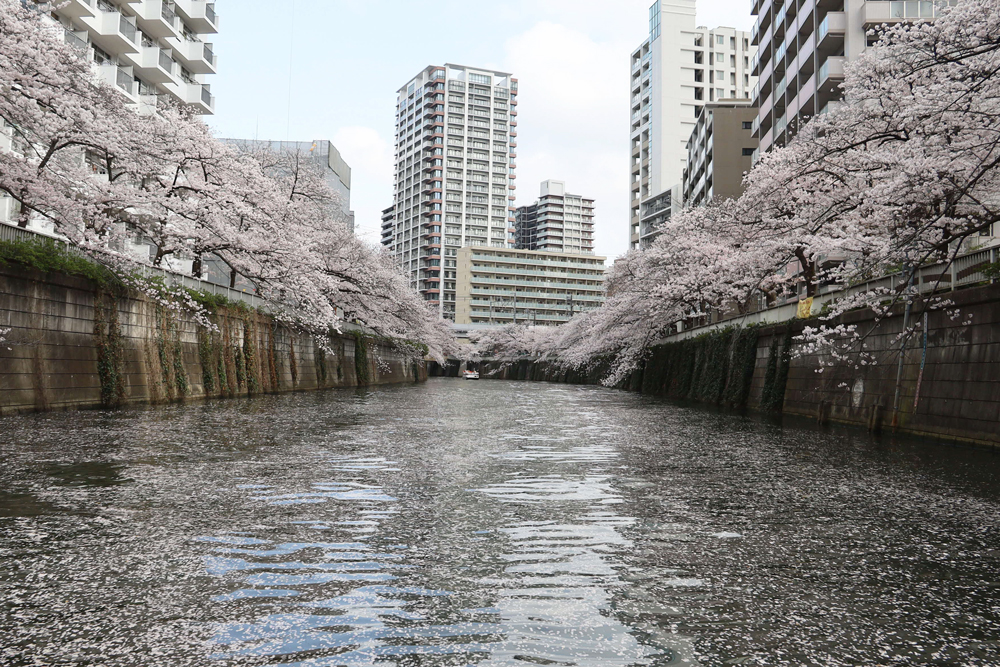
x,y
494,524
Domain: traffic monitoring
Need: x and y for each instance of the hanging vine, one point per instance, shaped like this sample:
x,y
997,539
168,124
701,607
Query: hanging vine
x,y
361,365
110,350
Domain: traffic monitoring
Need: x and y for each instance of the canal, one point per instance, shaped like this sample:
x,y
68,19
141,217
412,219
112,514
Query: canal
x,y
488,523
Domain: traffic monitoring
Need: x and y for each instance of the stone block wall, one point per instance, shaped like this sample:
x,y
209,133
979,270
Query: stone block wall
x,y
74,345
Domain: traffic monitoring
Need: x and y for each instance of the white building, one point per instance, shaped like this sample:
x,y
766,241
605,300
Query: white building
x,y
147,48
557,222
802,47
676,71
455,142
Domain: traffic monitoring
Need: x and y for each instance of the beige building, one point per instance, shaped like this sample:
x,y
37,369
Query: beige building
x,y
720,152
508,286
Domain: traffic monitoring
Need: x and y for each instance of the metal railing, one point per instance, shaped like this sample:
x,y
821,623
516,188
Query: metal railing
x,y
166,62
127,27
964,271
10,232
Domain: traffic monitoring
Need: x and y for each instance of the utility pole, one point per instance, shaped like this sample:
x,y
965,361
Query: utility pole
x,y
534,318
515,306
491,310
572,307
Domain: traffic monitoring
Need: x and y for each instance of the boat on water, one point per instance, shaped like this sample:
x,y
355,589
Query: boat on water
x,y
471,375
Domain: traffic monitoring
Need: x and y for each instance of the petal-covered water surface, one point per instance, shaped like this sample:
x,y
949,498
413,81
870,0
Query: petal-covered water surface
x,y
488,523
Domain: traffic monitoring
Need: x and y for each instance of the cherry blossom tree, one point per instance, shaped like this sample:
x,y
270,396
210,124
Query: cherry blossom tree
x,y
102,175
902,174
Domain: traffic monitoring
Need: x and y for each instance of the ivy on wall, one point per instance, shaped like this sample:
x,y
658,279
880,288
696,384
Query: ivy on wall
x,y
713,368
110,350
361,366
772,397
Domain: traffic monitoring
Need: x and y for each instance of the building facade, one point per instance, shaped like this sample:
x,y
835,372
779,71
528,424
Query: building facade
x,y
497,286
147,48
456,130
557,222
678,69
327,160
802,46
720,152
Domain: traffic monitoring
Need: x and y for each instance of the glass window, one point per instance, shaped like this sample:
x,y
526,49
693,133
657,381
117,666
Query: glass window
x,y
720,39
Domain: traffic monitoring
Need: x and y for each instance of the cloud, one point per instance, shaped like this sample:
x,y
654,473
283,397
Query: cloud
x,y
573,120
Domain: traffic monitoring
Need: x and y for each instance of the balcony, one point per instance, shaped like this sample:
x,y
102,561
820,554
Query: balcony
x,y
78,8
77,39
119,77
115,32
199,96
879,13
155,65
197,57
157,19
831,71
199,15
831,31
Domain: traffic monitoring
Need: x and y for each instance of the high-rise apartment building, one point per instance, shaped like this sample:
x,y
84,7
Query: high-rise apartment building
x,y
720,152
455,149
557,222
802,46
675,72
147,48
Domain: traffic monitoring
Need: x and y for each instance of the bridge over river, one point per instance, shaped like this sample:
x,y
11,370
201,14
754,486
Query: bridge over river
x,y
487,523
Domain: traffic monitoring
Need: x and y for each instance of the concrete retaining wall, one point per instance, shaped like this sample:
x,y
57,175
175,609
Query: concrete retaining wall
x,y
959,389
59,344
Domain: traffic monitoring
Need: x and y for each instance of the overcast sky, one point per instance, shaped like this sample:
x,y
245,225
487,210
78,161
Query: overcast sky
x,y
329,69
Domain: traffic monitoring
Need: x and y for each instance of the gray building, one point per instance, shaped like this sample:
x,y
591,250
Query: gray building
x,y
325,155
720,152
557,222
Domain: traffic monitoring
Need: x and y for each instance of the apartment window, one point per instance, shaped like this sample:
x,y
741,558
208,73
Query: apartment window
x,y
720,76
748,125
102,57
699,75
720,39
699,57
719,93
699,93
732,61
747,152
732,43
479,78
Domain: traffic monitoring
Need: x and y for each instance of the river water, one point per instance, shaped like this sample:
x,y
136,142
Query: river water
x,y
488,523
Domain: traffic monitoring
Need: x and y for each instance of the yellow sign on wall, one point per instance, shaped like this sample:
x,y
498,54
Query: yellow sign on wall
x,y
805,308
